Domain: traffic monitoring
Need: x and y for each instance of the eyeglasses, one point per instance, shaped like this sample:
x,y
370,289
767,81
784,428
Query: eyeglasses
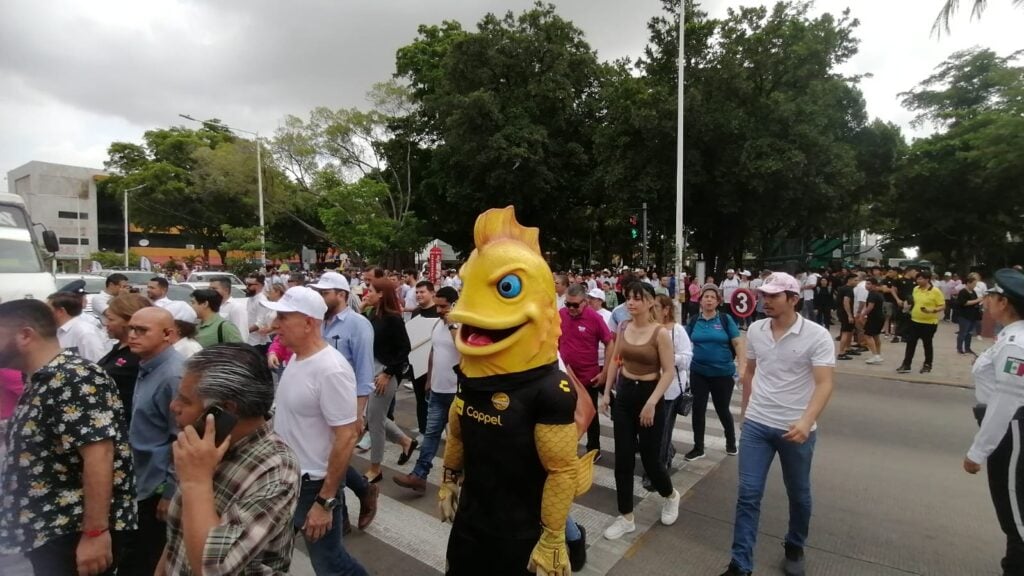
x,y
572,305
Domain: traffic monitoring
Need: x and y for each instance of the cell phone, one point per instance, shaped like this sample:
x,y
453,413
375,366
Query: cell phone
x,y
223,423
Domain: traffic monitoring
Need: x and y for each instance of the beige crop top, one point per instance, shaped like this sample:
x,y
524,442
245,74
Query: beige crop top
x,y
643,358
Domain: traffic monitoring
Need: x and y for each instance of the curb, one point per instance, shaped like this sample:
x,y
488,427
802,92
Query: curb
x,y
906,378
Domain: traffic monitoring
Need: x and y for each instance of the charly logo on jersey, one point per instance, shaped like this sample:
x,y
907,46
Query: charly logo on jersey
x,y
500,400
1014,366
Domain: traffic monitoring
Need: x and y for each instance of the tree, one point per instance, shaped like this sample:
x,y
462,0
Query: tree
x,y
193,181
350,144
773,129
507,111
952,6
968,179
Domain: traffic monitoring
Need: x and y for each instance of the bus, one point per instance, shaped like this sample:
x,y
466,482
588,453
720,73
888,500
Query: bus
x,y
23,272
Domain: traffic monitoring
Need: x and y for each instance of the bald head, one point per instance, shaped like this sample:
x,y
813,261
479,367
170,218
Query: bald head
x,y
150,332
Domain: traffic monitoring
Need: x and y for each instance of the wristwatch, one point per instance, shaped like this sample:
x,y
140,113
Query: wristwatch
x,y
328,504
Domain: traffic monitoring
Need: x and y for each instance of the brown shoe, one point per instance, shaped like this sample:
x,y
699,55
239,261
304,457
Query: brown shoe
x,y
411,481
368,506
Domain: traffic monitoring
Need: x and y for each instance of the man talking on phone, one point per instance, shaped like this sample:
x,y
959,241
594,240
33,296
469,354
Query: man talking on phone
x,y
238,481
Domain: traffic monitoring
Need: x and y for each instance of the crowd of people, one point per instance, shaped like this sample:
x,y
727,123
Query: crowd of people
x,y
157,436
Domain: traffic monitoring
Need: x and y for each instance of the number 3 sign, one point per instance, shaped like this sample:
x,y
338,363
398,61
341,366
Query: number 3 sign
x,y
742,302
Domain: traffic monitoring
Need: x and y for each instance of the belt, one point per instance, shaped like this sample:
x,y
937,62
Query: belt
x,y
979,413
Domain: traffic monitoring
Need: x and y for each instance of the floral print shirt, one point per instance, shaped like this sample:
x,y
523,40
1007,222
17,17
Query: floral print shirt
x,y
67,404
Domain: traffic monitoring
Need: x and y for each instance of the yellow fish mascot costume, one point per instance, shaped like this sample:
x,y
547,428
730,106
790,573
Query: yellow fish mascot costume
x,y
510,464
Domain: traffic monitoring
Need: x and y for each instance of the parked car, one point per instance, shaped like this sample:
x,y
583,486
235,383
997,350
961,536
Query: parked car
x,y
205,276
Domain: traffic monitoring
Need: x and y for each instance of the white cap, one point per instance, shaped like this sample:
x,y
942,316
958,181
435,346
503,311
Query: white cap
x,y
181,311
949,273
300,299
596,293
730,271
744,272
332,281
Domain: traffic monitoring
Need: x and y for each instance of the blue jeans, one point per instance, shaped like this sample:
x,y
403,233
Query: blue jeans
x,y
963,337
328,554
758,446
355,482
572,531
438,405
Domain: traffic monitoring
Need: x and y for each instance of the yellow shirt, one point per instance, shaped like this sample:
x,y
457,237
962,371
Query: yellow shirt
x,y
930,298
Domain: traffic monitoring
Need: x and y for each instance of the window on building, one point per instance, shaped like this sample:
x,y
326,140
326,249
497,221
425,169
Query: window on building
x,y
74,241
73,215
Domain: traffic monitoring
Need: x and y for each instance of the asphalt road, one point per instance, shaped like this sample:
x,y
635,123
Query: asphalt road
x,y
890,496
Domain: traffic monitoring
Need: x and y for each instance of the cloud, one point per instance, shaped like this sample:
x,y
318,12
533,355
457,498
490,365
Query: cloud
x,y
82,74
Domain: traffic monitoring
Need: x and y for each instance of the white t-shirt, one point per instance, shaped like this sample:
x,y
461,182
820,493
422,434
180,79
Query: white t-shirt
x,y
860,296
683,355
784,378
812,278
410,302
607,315
446,357
256,313
186,347
981,289
100,302
729,285
314,394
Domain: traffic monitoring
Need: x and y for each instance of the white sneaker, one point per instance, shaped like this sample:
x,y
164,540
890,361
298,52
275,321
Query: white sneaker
x,y
408,386
670,509
619,527
876,359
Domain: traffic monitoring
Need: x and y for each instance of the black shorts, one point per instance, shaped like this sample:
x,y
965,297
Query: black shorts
x,y
845,325
873,327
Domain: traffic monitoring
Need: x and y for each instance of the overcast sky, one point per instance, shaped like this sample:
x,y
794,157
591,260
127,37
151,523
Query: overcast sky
x,y
77,75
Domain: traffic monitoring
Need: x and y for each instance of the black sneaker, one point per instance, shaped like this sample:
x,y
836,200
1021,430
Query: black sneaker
x,y
734,570
926,368
647,484
903,369
731,450
695,454
852,352
578,550
793,565
844,357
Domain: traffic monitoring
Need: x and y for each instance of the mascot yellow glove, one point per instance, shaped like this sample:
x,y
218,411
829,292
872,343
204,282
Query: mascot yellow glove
x,y
550,556
448,496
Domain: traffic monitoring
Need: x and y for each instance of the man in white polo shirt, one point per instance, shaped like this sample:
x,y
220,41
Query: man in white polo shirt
x,y
787,383
316,416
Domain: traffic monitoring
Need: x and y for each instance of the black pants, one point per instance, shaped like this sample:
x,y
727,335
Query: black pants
x,y
925,333
57,556
631,395
419,387
901,321
143,547
1002,464
594,431
720,390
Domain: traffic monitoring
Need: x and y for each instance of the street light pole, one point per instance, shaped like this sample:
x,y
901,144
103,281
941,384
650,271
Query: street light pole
x,y
126,222
259,178
680,239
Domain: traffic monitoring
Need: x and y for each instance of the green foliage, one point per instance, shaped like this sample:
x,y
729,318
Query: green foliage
x,y
357,222
960,192
115,260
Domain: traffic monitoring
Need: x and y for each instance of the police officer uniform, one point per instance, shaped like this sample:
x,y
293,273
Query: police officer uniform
x,y
999,388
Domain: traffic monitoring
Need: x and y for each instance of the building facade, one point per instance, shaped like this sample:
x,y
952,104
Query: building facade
x,y
63,199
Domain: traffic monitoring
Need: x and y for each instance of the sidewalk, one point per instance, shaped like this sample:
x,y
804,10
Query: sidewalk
x,y
949,368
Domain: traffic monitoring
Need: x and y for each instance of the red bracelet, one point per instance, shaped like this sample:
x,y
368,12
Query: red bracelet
x,y
94,533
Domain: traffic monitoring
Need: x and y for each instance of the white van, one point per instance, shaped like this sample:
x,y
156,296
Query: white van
x,y
23,273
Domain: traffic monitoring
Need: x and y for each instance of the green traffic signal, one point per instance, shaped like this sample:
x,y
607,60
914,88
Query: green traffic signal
x,y
633,233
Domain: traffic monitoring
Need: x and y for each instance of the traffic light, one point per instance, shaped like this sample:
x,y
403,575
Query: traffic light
x,y
633,232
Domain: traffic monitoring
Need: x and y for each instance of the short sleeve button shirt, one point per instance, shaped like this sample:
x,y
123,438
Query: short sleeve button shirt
x,y
67,404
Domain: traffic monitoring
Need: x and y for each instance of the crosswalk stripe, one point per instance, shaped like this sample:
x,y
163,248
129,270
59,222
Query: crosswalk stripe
x,y
415,533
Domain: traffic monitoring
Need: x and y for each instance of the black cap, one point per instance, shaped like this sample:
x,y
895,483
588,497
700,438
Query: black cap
x,y
1009,282
75,287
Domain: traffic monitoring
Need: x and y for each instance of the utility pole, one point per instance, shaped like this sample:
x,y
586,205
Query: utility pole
x,y
644,257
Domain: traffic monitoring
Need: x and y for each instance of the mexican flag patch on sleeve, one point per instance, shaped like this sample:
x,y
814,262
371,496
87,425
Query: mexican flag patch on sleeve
x,y
1014,366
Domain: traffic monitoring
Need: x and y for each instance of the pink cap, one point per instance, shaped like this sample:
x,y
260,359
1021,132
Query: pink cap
x,y
780,282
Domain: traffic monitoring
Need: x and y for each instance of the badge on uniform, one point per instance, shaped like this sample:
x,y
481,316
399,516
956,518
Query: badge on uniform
x,y
1014,366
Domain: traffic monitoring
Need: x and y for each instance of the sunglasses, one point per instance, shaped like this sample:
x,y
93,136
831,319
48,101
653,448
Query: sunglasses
x,y
572,305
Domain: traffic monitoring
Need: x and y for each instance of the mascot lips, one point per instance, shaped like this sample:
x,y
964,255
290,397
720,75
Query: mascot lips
x,y
478,337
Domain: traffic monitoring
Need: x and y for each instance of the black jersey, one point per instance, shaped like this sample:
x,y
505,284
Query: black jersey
x,y
504,479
